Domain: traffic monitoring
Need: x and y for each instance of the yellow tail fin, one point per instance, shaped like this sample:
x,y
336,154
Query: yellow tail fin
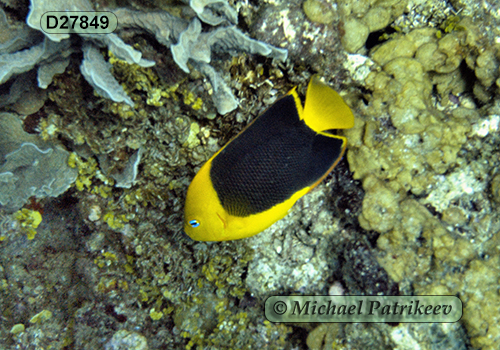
x,y
324,108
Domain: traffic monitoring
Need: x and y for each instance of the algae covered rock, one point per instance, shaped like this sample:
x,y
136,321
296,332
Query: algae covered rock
x,y
421,146
361,18
395,48
125,340
380,206
319,11
356,33
377,18
495,188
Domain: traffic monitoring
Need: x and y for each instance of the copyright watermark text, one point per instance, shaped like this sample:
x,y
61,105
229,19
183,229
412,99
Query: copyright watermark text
x,y
363,309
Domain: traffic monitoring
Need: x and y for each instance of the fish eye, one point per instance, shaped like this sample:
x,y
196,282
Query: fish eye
x,y
194,223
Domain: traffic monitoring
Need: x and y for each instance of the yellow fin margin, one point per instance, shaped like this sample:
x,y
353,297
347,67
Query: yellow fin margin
x,y
298,102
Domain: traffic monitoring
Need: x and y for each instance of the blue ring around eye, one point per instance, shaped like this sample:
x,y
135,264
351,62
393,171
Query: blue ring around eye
x,y
194,223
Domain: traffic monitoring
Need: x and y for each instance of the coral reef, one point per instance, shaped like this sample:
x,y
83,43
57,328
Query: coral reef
x,y
97,72
51,54
425,164
29,166
413,207
195,46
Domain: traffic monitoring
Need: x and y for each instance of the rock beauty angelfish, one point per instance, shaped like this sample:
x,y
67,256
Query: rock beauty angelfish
x,y
256,177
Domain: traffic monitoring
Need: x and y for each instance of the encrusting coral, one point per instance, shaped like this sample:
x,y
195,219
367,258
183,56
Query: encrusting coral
x,y
109,266
196,46
50,53
185,40
131,162
424,152
29,166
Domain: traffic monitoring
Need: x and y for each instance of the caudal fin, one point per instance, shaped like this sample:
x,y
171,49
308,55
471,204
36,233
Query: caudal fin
x,y
324,108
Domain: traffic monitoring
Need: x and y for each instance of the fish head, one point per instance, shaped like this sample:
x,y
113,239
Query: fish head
x,y
204,217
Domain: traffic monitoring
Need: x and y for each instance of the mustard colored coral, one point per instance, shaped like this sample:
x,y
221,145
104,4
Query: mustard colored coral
x,y
29,220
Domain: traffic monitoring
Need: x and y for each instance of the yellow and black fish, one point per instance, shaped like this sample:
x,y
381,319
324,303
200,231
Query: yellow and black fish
x,y
256,177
